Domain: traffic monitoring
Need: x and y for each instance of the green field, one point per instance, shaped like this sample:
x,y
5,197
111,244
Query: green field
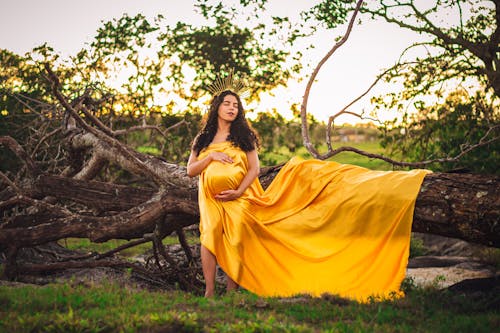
x,y
282,154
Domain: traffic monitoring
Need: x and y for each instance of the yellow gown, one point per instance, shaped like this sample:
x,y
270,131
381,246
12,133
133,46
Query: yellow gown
x,y
320,227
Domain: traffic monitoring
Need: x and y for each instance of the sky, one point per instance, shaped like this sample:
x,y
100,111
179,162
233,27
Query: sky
x,y
67,25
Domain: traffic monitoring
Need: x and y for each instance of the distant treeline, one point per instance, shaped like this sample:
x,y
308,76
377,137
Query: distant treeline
x,y
275,133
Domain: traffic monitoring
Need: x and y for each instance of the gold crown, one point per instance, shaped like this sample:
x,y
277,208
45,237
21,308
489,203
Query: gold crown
x,y
237,86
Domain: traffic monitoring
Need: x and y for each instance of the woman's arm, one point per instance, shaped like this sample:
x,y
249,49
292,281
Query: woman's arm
x,y
252,173
195,166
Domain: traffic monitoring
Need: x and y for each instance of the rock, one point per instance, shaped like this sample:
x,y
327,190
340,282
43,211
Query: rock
x,y
436,261
445,246
477,285
448,262
443,277
483,292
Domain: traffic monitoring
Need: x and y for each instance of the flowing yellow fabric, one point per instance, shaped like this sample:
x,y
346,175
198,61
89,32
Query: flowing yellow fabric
x,y
320,227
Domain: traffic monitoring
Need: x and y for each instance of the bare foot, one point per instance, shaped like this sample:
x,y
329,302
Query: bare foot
x,y
209,293
231,285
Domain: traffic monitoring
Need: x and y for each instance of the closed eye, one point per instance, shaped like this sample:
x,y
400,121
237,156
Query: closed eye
x,y
235,105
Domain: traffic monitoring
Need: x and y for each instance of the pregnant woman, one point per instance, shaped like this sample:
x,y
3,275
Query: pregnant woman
x,y
320,227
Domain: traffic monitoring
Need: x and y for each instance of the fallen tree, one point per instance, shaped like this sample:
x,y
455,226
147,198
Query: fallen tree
x,y
39,207
456,205
464,206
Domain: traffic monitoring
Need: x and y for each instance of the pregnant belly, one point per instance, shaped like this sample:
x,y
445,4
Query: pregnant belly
x,y
220,177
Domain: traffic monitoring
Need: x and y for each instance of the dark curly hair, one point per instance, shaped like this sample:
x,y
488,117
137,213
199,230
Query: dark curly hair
x,y
241,133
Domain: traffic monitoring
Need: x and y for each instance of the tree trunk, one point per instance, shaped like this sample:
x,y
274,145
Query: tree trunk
x,y
457,205
463,206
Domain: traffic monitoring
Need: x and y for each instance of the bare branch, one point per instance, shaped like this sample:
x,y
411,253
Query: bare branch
x,y
45,205
454,41
182,240
303,109
12,144
112,133
92,167
152,127
331,119
430,28
96,121
167,171
9,182
42,140
31,99
126,152
9,203
25,104
482,142
147,238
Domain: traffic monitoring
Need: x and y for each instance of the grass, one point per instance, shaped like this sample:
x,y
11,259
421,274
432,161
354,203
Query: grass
x,y
109,307
489,255
85,245
282,154
112,308
417,247
149,150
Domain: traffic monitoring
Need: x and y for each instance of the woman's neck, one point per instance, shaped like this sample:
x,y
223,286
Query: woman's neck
x,y
223,127
222,133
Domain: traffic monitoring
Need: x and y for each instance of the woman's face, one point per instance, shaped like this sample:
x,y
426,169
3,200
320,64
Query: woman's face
x,y
228,110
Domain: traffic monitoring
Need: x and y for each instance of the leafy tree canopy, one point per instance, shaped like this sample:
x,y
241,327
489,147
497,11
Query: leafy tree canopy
x,y
463,39
446,129
136,68
461,50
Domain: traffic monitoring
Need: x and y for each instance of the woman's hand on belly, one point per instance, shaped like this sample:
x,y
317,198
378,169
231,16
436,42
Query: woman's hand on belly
x,y
221,157
223,180
228,195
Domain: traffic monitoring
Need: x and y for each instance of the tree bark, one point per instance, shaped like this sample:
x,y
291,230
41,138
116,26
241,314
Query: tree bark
x,y
464,206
